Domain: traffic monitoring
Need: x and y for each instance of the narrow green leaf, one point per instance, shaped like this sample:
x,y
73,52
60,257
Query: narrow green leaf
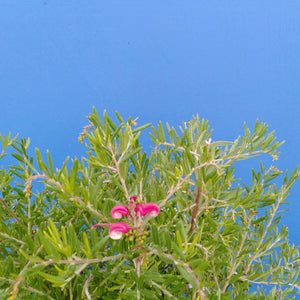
x,y
99,247
111,123
155,236
131,153
140,282
178,239
138,129
178,251
50,163
56,280
87,248
167,240
119,117
53,231
73,174
40,161
187,275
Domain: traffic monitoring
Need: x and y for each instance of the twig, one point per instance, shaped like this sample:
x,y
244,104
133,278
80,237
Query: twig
x,y
12,213
77,261
77,199
214,272
138,273
31,289
29,215
71,291
181,182
162,289
201,247
81,269
20,278
233,158
71,220
85,288
30,179
11,238
243,278
237,255
179,148
113,271
195,210
263,236
230,159
117,164
178,261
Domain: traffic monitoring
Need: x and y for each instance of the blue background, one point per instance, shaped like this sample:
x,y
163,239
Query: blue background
x,y
228,61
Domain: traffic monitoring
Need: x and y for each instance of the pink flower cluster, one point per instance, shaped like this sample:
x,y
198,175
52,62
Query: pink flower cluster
x,y
135,211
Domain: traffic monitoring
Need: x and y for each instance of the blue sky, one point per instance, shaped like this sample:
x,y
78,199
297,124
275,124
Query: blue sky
x,y
228,61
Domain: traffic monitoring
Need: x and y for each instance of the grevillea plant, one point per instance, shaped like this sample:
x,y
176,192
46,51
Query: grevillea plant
x,y
169,221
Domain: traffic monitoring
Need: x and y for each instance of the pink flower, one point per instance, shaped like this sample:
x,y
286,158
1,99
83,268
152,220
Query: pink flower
x,y
139,210
116,230
118,211
151,209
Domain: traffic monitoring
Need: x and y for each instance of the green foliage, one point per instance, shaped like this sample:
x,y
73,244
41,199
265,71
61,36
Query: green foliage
x,y
214,238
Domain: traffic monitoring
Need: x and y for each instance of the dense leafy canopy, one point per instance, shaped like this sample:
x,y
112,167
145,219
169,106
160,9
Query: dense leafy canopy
x,y
214,237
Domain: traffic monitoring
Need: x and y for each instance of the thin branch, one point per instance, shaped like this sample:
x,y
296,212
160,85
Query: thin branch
x,y
113,271
263,236
181,182
15,289
214,272
233,158
178,261
78,200
11,238
162,289
71,220
85,288
195,210
12,213
28,288
237,255
172,145
201,247
141,189
30,179
216,160
71,291
138,273
117,164
7,279
29,215
244,278
81,269
77,261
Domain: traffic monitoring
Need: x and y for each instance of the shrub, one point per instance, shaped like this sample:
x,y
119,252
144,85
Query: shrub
x,y
186,227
